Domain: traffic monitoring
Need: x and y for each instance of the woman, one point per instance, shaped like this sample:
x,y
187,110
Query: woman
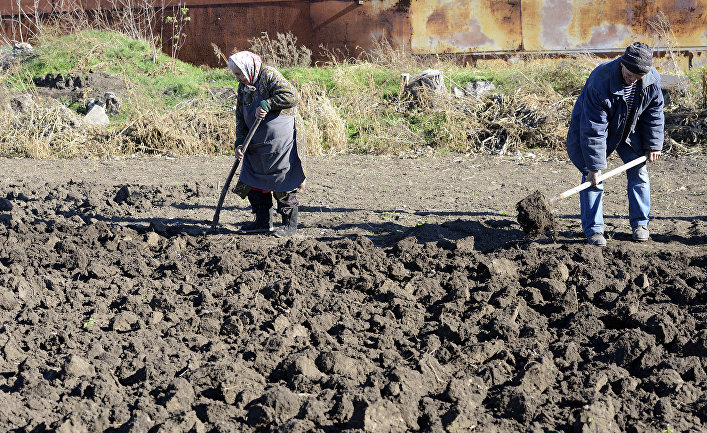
x,y
272,166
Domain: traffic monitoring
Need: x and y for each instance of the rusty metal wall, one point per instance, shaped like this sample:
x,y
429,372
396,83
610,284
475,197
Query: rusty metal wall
x,y
439,26
443,26
605,25
505,27
230,26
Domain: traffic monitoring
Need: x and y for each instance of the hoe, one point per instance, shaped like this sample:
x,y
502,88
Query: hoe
x,y
214,223
534,214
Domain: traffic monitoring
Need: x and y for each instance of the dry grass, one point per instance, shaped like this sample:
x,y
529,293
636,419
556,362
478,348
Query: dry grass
x,y
48,129
188,131
506,123
686,130
324,129
496,124
382,53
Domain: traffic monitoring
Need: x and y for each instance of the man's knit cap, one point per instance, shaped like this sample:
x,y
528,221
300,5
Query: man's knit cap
x,y
638,58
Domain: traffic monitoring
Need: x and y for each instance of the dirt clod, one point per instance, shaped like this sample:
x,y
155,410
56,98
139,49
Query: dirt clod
x,y
535,217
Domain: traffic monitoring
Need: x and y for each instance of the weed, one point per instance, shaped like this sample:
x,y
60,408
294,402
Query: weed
x,y
281,51
176,23
454,427
89,323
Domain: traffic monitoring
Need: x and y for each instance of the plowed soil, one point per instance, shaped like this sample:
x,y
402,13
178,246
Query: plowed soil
x,y
409,300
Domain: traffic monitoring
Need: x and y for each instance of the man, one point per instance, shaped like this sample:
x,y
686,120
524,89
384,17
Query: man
x,y
620,109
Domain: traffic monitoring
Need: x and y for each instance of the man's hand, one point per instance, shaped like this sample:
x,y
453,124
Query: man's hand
x,y
239,152
653,155
592,176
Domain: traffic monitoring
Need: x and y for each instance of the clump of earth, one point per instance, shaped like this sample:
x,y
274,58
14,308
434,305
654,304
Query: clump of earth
x,y
534,216
79,87
111,321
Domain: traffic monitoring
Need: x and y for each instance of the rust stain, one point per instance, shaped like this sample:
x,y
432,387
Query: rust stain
x,y
454,26
608,25
437,23
402,6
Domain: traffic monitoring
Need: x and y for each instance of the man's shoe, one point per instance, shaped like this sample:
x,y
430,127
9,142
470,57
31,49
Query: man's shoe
x,y
640,233
597,239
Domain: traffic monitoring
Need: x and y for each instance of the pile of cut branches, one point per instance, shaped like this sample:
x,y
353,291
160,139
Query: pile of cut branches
x,y
685,130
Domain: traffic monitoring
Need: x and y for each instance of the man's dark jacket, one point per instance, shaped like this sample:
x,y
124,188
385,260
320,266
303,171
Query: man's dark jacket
x,y
600,115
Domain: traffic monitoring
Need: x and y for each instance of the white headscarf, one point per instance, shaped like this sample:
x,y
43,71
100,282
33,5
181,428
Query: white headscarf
x,y
248,64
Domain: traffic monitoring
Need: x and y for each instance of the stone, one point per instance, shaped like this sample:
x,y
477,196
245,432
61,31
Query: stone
x,y
477,89
673,87
427,81
122,195
97,116
5,205
112,104
22,49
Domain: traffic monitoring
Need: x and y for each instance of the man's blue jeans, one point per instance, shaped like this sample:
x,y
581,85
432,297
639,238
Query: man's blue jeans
x,y
639,196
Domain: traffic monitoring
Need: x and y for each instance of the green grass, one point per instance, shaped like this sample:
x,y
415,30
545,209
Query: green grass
x,y
151,74
323,76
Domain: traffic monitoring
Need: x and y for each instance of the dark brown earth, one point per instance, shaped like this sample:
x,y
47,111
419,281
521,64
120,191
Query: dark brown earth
x,y
409,300
535,216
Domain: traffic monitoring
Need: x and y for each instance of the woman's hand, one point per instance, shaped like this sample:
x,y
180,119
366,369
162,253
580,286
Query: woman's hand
x,y
262,109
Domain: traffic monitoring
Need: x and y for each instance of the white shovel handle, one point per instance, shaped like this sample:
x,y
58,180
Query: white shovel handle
x,y
601,177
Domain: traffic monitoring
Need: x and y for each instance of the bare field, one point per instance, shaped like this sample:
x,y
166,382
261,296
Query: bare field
x,y
409,300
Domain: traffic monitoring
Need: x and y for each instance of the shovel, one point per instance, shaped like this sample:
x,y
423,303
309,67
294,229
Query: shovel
x,y
534,214
232,172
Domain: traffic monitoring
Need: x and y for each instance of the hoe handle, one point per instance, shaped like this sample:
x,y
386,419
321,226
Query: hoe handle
x,y
236,163
603,176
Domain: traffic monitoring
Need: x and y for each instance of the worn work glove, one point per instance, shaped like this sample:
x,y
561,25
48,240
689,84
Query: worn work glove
x,y
265,105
